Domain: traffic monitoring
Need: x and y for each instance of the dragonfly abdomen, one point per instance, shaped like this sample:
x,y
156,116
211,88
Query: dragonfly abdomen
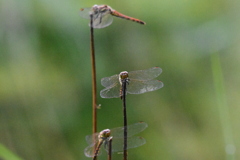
x,y
97,149
120,15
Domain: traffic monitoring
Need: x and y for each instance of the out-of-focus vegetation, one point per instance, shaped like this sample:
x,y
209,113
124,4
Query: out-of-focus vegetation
x,y
6,154
45,77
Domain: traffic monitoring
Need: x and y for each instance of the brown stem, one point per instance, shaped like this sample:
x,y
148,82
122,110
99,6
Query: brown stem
x,y
94,84
110,148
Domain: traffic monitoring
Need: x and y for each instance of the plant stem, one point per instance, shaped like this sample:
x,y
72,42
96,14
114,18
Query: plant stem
x,y
110,148
223,107
124,86
94,84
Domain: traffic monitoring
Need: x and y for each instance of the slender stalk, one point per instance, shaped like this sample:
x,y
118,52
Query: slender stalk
x,y
223,107
94,84
124,86
110,148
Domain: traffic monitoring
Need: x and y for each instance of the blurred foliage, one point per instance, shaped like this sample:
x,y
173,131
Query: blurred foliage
x,y
45,77
6,154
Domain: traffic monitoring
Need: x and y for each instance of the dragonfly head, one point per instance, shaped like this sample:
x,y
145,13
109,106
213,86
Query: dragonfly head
x,y
104,134
123,75
95,7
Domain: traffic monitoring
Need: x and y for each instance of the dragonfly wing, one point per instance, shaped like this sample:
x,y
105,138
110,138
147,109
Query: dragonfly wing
x,y
85,12
102,20
132,142
89,151
131,129
139,87
136,128
90,138
147,74
113,91
108,81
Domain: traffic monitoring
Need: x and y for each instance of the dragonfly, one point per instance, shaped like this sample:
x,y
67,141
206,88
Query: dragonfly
x,y
103,137
139,82
102,15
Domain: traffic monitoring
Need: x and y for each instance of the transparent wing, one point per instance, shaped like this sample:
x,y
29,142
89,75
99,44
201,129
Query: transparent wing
x,y
147,74
138,87
132,142
89,138
85,12
108,81
101,20
89,150
112,91
131,129
118,132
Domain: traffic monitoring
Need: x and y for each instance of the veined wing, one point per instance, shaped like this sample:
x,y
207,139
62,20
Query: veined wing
x,y
131,129
89,138
118,131
85,12
89,151
138,86
108,81
101,20
147,74
132,142
117,134
112,91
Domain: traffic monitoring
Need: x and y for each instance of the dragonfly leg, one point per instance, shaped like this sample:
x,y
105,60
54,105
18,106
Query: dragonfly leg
x,y
127,80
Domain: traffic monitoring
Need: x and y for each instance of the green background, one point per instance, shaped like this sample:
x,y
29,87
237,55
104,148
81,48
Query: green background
x,y
45,77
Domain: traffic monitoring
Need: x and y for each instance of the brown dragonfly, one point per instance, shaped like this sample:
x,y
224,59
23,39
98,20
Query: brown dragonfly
x,y
117,139
102,15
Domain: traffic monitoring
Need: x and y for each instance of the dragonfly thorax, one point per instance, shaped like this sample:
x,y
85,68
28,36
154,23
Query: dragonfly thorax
x,y
103,9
